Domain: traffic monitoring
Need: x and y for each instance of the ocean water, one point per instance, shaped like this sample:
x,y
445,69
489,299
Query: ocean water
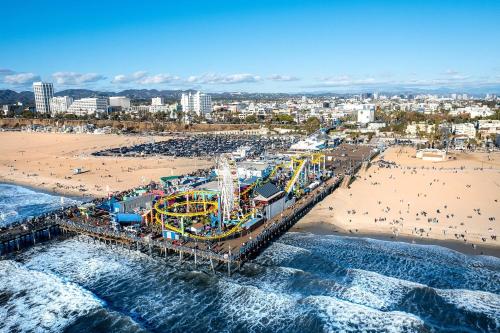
x,y
17,203
301,283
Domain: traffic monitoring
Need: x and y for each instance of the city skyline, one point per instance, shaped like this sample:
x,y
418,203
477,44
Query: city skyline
x,y
280,47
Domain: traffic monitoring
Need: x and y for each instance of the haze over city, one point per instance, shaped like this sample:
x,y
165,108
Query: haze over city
x,y
254,46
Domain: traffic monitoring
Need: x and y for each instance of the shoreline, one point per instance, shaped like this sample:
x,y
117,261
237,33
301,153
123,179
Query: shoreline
x,y
42,189
323,228
454,203
47,161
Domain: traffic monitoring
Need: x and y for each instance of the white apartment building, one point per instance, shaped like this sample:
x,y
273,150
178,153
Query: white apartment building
x,y
60,104
86,106
489,126
171,110
157,101
44,91
467,129
375,126
120,101
366,115
199,103
159,108
415,128
473,111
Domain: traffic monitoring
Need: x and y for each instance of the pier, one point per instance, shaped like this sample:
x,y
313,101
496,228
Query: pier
x,y
227,254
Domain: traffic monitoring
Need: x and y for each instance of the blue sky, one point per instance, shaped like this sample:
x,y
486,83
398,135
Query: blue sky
x,y
256,46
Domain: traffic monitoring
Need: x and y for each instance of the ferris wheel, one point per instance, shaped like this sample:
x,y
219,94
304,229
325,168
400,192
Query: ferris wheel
x,y
228,184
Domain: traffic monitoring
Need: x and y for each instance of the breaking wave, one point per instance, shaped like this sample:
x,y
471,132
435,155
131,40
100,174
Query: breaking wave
x,y
17,203
301,283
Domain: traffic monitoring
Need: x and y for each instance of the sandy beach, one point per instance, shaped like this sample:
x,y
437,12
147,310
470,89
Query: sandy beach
x,y
455,200
47,160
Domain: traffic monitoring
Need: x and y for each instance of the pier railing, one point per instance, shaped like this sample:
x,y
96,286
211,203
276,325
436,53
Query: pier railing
x,y
131,239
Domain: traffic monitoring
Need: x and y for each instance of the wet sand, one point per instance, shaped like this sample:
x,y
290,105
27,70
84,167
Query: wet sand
x,y
459,246
457,200
46,161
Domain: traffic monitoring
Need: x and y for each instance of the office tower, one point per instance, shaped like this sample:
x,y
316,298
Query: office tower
x,y
199,103
44,91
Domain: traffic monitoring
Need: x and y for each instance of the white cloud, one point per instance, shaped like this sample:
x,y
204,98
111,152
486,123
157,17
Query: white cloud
x,y
223,79
72,78
451,79
5,71
21,78
277,77
450,72
142,77
158,78
122,78
346,80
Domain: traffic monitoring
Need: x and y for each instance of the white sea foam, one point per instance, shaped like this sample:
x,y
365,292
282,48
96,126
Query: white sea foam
x,y
81,261
114,273
256,307
279,252
376,290
343,316
481,302
40,301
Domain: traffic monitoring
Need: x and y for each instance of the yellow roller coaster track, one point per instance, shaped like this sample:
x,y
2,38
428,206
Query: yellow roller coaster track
x,y
295,176
273,172
213,208
231,231
212,204
191,192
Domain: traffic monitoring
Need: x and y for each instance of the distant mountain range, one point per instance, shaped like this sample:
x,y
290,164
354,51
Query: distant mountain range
x,y
11,97
27,97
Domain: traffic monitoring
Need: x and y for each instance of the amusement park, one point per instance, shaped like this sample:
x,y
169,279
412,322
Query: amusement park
x,y
231,201
227,203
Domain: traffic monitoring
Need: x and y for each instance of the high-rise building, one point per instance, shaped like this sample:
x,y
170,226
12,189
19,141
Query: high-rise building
x,y
366,95
120,101
187,103
199,103
44,91
157,101
60,104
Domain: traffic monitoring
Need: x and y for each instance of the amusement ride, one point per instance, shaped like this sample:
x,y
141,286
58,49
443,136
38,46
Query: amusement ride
x,y
218,214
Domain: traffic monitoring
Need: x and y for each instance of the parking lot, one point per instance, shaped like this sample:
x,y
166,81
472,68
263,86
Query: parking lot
x,y
203,146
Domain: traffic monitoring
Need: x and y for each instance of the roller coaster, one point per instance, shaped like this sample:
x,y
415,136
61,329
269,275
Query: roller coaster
x,y
220,214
